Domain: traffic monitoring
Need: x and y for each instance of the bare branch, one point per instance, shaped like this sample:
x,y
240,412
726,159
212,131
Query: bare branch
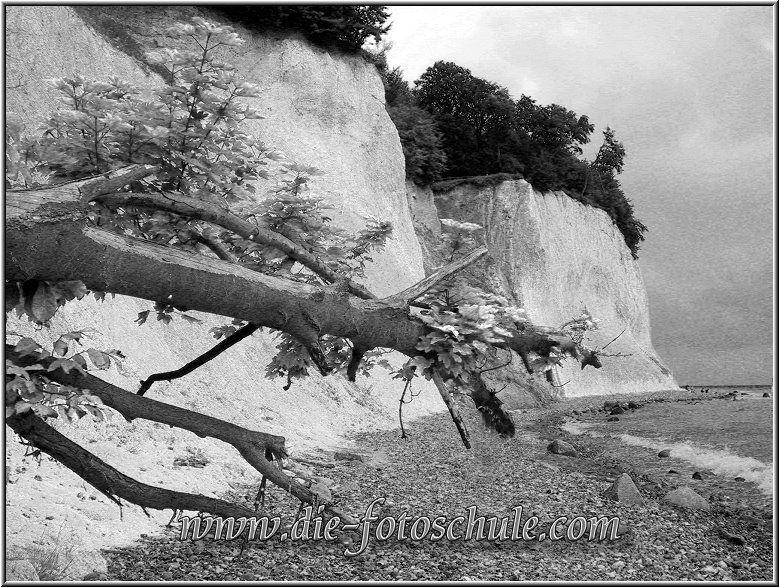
x,y
408,295
114,180
107,479
250,444
214,245
217,350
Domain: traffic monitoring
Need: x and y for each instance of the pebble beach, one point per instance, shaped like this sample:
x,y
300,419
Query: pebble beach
x,y
431,474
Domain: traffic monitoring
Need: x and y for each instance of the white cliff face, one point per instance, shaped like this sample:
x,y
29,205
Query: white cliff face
x,y
322,110
556,257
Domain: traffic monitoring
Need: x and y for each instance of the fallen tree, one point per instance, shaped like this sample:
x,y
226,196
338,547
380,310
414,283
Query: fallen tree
x,y
160,222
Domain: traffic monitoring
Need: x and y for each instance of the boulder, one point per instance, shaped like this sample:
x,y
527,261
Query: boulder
x,y
685,497
612,419
665,453
625,491
697,476
617,410
560,447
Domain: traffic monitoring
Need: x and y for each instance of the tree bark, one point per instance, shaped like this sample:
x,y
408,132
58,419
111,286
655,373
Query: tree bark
x,y
453,411
249,443
108,480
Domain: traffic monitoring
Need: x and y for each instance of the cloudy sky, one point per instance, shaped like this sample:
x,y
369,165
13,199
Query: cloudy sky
x,y
689,91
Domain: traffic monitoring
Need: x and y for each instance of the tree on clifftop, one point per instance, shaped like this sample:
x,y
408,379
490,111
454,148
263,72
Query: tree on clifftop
x,y
156,199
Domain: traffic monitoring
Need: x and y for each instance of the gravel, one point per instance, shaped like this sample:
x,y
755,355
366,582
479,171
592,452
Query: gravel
x,y
430,473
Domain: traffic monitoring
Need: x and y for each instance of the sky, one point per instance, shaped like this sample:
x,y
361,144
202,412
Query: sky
x,y
689,92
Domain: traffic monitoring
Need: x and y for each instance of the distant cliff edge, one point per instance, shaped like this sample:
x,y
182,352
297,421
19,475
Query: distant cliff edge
x,y
554,257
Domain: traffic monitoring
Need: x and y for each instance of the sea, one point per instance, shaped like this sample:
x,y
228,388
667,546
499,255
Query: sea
x,y
723,437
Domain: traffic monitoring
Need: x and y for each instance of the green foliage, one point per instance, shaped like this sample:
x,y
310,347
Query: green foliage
x,y
482,131
421,141
478,181
461,333
419,136
396,90
342,27
28,388
40,300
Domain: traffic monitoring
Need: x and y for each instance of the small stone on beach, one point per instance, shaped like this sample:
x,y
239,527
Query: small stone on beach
x,y
560,447
624,490
686,498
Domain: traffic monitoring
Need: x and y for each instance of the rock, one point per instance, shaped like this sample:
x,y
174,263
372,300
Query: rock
x,y
739,479
560,447
617,410
625,491
685,497
766,394
697,476
348,456
610,405
673,472
633,405
326,481
665,453
732,538
612,419
709,569
322,492
20,570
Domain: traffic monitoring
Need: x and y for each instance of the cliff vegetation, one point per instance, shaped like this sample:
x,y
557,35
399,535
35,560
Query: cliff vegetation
x,y
453,124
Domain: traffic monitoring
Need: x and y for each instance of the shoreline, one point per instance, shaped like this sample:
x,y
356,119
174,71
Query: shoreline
x,y
431,474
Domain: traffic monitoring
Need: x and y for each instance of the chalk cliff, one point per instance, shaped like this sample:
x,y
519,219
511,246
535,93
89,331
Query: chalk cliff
x,y
555,257
550,254
321,109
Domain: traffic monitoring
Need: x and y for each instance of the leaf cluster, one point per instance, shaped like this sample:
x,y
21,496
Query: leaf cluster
x,y
462,333
29,389
346,28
